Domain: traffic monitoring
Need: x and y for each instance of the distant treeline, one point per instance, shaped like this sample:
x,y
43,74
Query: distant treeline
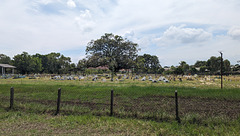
x,y
56,63
111,54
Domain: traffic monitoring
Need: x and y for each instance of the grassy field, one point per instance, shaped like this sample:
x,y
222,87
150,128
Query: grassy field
x,y
140,108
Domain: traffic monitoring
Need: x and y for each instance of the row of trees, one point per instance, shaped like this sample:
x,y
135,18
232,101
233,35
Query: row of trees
x,y
211,66
111,51
55,63
50,63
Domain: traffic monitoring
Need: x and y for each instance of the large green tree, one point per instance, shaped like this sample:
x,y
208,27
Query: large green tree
x,y
214,64
26,63
81,66
112,50
4,59
147,63
200,63
226,65
53,63
178,71
139,65
57,63
65,64
185,67
44,62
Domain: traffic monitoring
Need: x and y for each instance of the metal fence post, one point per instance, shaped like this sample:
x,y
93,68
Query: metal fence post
x,y
111,106
176,102
11,97
58,101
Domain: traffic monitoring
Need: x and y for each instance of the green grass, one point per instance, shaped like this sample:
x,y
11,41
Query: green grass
x,y
141,108
18,123
69,92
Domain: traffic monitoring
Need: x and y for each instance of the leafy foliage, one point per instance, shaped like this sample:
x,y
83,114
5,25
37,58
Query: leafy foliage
x,y
147,64
26,63
53,63
111,50
4,59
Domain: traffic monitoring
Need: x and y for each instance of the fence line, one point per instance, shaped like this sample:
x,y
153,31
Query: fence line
x,y
121,104
111,102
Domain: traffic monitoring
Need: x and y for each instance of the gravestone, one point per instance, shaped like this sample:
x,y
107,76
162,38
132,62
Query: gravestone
x,y
180,79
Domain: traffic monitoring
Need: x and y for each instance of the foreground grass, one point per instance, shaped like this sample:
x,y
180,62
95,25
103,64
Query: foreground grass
x,y
19,123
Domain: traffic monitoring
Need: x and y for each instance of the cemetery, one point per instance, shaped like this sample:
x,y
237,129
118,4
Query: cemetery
x,y
143,98
120,68
65,99
115,91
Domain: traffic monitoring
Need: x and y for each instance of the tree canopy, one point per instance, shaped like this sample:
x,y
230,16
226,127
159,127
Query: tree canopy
x,y
53,63
26,63
4,59
147,63
112,50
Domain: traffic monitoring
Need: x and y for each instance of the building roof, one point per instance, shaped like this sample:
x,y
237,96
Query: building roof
x,y
7,66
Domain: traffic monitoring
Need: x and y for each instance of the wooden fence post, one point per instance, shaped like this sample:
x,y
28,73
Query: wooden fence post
x,y
176,102
11,97
58,101
111,107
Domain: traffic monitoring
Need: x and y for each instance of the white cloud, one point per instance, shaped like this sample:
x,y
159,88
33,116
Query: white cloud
x,y
45,1
182,35
191,53
84,21
71,4
86,14
129,34
234,32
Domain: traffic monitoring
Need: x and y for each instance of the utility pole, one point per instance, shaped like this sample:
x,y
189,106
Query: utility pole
x,y
221,68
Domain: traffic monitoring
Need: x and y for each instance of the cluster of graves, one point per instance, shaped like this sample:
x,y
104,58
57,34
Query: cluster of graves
x,y
6,76
11,76
161,78
124,77
119,77
106,77
58,77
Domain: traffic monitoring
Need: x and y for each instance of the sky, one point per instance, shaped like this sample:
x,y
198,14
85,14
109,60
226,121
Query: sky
x,y
173,30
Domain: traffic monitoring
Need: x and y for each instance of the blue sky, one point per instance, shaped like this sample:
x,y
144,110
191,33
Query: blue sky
x,y
173,30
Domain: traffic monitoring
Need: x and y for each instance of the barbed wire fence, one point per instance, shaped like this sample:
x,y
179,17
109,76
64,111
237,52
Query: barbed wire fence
x,y
117,104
